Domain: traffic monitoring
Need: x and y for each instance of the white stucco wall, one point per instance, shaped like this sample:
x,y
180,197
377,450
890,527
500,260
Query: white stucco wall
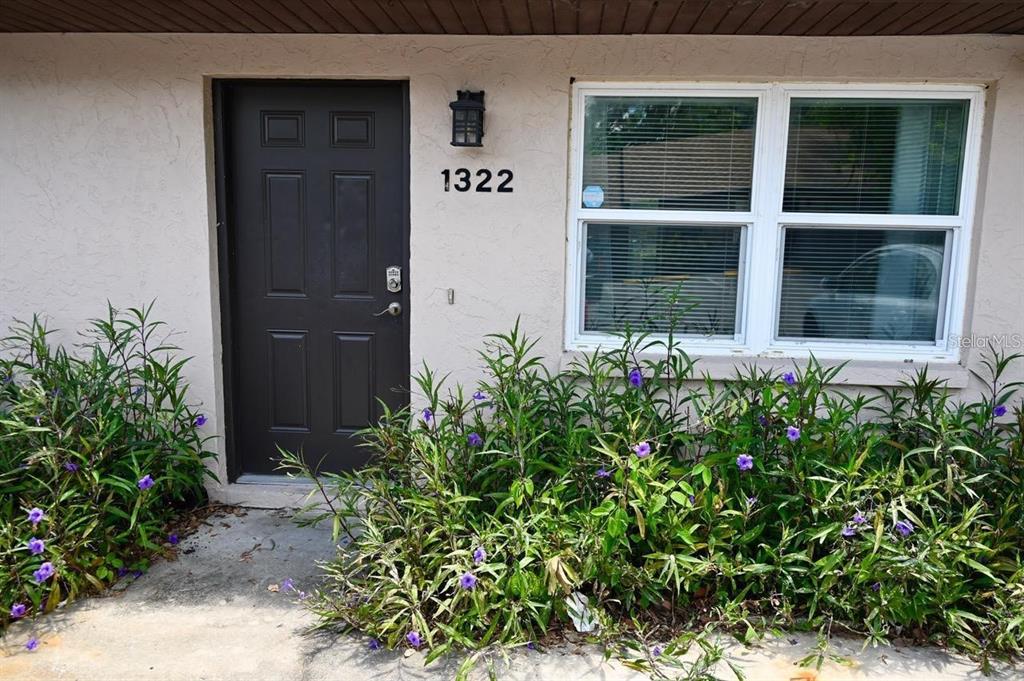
x,y
105,162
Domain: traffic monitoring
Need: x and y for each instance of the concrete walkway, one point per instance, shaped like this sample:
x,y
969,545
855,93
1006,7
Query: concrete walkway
x,y
210,615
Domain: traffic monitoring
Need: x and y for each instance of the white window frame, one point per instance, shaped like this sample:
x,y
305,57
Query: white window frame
x,y
759,285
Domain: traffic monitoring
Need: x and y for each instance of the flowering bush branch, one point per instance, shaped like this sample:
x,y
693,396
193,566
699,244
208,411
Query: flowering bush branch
x,y
632,488
98,449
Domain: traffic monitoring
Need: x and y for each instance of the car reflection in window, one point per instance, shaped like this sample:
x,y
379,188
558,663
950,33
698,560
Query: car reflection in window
x,y
889,293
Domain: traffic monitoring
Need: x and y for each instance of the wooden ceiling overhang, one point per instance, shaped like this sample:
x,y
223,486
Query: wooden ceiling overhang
x,y
517,17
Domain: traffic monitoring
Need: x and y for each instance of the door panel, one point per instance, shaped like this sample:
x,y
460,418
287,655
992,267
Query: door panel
x,y
351,228
283,204
288,377
317,195
353,372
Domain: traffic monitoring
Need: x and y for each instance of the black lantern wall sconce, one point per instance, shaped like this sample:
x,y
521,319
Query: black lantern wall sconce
x,y
468,119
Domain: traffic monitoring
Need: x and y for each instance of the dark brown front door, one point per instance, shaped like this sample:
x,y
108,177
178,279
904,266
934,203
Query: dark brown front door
x,y
316,205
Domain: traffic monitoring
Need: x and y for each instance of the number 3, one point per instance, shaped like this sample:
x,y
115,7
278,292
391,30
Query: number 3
x,y
462,185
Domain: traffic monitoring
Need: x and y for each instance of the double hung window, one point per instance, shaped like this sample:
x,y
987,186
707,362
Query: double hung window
x,y
773,219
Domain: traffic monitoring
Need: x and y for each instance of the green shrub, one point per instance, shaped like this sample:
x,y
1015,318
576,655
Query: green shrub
x,y
101,443
763,501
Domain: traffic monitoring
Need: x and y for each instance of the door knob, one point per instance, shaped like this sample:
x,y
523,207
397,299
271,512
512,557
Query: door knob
x,y
393,309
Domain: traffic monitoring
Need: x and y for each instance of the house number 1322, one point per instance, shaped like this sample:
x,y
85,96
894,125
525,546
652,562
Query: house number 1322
x,y
463,179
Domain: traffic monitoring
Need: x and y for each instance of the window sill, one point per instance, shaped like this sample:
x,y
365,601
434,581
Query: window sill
x,y
862,373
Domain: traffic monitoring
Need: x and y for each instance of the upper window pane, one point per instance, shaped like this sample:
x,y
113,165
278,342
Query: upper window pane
x,y
668,153
897,156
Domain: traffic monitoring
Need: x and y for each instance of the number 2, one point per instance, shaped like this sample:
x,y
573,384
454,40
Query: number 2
x,y
504,186
482,185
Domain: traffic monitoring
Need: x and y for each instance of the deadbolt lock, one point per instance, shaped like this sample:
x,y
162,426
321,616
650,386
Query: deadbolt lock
x,y
393,277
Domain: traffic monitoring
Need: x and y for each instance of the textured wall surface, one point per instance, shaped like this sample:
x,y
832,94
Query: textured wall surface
x,y
105,168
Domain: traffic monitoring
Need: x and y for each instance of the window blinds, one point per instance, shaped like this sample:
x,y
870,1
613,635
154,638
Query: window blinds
x,y
641,275
669,153
861,284
875,156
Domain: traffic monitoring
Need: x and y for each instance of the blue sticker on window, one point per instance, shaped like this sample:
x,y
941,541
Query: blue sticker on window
x,y
593,196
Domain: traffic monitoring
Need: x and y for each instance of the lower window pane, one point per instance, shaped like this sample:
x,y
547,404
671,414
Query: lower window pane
x,y
862,284
633,272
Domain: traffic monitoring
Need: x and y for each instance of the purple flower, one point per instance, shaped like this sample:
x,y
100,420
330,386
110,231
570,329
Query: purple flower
x,y
200,421
751,501
413,637
479,555
999,410
642,449
848,530
122,571
692,498
287,585
474,440
374,644
656,651
44,572
39,421
763,420
137,573
70,466
32,644
904,527
479,396
35,516
744,462
602,473
172,539
789,378
18,610
859,518
145,482
427,415
36,546
877,586
467,580
531,646
138,391
793,433
636,377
